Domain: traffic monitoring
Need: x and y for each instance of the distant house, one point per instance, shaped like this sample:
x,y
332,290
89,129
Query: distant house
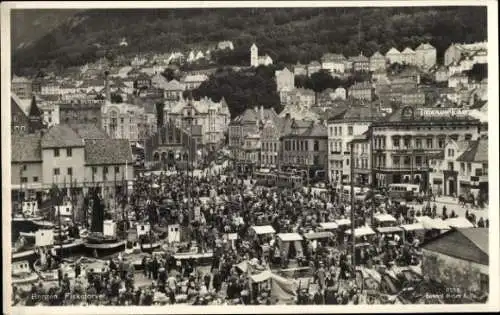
x,y
173,90
360,63
441,74
394,56
377,62
478,51
334,63
159,81
465,266
426,56
458,79
19,118
313,67
299,96
300,69
143,81
285,82
123,42
225,45
408,56
256,60
361,91
22,87
414,97
193,81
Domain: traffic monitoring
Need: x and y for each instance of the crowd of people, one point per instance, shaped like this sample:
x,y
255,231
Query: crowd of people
x,y
208,209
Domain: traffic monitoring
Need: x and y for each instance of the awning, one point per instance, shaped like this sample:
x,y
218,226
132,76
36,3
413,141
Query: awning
x,y
289,237
459,223
362,231
329,225
385,218
413,227
343,222
263,229
316,235
389,229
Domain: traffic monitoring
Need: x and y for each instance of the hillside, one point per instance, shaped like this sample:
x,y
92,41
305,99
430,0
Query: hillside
x,y
287,35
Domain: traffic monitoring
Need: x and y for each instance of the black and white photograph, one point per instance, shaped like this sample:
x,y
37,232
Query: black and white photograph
x,y
202,155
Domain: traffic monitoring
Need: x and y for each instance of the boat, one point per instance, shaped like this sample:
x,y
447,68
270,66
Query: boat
x,y
102,244
22,274
149,247
21,250
27,234
47,274
27,278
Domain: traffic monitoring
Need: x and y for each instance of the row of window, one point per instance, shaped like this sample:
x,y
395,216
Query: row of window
x,y
267,146
69,170
299,145
69,152
337,131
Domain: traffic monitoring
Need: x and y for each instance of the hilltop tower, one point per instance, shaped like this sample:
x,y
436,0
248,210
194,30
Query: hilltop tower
x,y
254,56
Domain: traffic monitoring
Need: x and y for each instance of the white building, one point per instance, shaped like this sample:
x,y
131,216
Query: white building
x,y
256,60
127,121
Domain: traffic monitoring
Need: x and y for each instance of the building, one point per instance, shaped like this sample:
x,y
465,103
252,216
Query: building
x,y
360,63
408,56
441,74
333,63
172,91
109,164
426,56
63,157
305,147
377,62
361,91
50,87
159,81
285,82
457,80
413,97
361,160
313,67
127,121
461,168
82,111
403,142
270,141
225,45
478,51
193,81
300,69
343,127
19,121
300,96
465,267
22,87
143,81
256,60
394,56
212,117
329,95
26,166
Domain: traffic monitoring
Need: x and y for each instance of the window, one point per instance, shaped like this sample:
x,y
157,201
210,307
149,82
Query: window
x,y
450,166
105,170
395,141
117,169
335,131
429,143
469,168
418,160
347,162
69,152
56,152
35,179
406,142
349,131
340,131
484,282
307,145
56,171
451,152
462,168
485,168
316,145
25,167
418,143
70,171
468,136
24,179
395,160
94,170
441,143
121,120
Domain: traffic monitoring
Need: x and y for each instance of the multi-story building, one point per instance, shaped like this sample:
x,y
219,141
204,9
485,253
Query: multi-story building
x,y
212,117
342,129
126,121
425,56
285,82
334,63
172,91
460,168
413,97
300,96
478,51
313,67
193,81
403,143
305,148
361,91
361,159
84,111
26,166
300,69
270,149
408,56
377,62
394,56
22,87
19,120
458,79
50,87
360,63
225,45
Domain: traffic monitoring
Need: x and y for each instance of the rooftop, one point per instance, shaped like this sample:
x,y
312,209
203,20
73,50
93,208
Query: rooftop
x,y
477,151
26,148
61,136
89,131
108,151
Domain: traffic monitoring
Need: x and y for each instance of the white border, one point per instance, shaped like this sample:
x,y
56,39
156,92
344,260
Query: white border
x,y
493,304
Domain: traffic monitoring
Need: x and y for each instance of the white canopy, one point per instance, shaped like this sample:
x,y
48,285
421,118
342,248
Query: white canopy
x,y
343,222
362,231
459,223
263,229
289,237
389,229
433,224
384,217
413,227
329,225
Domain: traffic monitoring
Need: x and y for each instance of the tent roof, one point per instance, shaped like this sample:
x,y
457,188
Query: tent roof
x,y
385,218
413,227
433,224
343,222
263,229
289,237
316,235
389,229
459,222
329,225
362,231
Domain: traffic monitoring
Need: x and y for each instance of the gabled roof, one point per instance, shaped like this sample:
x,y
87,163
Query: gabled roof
x,y
377,55
359,58
314,63
108,151
316,130
470,244
89,131
34,110
425,46
17,79
174,85
393,51
408,50
61,136
26,148
477,151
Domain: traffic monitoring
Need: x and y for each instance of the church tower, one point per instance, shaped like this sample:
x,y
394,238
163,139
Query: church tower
x,y
35,117
254,56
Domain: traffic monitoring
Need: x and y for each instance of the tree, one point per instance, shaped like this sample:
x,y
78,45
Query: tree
x,y
168,74
320,81
478,72
301,80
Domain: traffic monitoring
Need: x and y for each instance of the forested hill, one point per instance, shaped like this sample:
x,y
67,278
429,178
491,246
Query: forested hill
x,y
286,34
